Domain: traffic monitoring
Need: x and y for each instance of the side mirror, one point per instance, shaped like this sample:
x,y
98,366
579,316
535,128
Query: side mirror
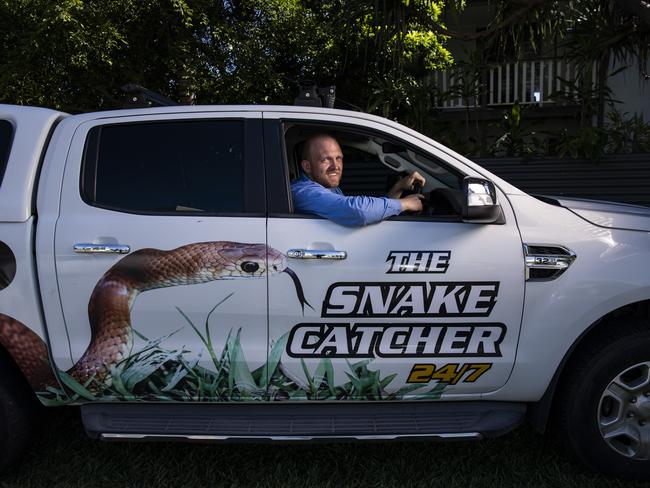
x,y
480,202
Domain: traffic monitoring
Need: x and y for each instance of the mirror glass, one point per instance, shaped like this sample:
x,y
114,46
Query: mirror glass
x,y
480,194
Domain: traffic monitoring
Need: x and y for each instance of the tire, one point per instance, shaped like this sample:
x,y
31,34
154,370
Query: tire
x,y
18,409
604,402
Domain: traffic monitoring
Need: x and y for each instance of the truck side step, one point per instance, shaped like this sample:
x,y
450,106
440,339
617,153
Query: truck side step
x,y
283,421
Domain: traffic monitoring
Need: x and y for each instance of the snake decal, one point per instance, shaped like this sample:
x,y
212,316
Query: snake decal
x,y
109,309
110,368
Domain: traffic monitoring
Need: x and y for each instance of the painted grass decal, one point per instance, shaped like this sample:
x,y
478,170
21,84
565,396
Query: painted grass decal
x,y
156,373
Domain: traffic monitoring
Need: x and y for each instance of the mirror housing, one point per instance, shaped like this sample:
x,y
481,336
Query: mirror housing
x,y
480,204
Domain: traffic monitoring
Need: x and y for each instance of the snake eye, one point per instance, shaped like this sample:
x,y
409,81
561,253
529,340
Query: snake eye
x,y
249,266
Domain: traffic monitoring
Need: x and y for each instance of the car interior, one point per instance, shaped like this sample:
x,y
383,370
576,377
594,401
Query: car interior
x,y
373,163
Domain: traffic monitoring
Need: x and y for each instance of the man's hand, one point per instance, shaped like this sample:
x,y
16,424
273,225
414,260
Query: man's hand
x,y
412,203
406,183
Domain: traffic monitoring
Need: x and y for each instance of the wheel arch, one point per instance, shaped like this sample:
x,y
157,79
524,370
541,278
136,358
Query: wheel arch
x,y
539,412
12,374
20,411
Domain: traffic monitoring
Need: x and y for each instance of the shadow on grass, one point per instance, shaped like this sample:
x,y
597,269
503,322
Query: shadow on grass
x,y
62,456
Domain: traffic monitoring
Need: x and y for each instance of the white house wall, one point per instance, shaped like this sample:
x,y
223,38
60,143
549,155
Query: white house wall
x,y
632,89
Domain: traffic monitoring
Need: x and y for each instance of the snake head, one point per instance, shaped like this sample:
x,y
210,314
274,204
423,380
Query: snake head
x,y
257,260
250,261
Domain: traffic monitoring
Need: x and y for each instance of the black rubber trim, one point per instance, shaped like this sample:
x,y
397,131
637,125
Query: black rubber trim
x,y
254,180
7,265
306,419
277,178
4,155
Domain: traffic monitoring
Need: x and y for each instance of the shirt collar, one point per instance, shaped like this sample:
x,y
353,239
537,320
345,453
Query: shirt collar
x,y
307,179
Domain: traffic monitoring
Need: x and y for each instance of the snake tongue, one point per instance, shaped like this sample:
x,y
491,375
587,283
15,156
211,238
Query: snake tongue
x,y
299,291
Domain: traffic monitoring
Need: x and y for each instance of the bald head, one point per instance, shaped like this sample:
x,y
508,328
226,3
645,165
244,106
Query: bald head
x,y
312,141
322,160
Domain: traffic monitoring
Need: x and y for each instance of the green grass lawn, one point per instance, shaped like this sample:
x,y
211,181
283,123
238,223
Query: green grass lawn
x,y
63,456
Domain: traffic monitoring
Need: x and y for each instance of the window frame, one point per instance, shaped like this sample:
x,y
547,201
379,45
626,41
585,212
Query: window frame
x,y
4,158
253,161
277,172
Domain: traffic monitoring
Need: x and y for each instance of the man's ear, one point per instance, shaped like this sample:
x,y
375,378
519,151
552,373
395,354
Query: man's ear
x,y
306,166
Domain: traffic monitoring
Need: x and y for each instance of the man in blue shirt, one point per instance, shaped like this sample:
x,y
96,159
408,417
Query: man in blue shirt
x,y
317,190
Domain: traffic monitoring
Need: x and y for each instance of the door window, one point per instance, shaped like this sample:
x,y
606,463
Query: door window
x,y
180,167
373,163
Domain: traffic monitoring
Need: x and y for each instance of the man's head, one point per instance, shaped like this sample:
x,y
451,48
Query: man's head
x,y
322,160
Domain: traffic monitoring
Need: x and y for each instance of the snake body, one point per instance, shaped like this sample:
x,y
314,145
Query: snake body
x,y
109,308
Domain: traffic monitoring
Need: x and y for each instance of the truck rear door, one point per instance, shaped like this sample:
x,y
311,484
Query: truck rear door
x,y
159,249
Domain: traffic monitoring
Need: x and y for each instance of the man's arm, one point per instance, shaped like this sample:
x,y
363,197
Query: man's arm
x,y
350,211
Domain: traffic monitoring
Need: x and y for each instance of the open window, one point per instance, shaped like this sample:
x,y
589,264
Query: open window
x,y
373,162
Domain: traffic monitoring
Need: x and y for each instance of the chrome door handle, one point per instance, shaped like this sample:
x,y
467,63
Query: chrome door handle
x,y
85,248
316,254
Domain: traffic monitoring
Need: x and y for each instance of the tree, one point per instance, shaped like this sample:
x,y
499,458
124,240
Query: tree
x,y
74,54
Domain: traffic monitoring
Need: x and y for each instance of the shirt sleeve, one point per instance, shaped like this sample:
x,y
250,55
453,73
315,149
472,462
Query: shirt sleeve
x,y
350,211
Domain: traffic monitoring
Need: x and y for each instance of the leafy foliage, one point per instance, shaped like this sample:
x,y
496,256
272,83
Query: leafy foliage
x,y
517,139
383,56
622,135
588,143
74,55
627,134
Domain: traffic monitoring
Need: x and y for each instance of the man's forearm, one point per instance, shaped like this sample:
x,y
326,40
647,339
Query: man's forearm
x,y
395,193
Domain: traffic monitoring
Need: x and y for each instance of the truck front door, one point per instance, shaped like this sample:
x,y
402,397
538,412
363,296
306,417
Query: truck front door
x,y
418,308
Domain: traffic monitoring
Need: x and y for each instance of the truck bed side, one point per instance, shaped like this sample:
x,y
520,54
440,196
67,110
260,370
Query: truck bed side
x,y
27,130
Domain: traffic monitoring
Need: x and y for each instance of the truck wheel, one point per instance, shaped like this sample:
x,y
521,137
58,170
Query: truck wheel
x,y
18,408
604,405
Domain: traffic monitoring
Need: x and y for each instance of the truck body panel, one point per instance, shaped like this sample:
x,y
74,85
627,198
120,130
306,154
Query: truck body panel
x,y
608,274
153,269
32,127
555,313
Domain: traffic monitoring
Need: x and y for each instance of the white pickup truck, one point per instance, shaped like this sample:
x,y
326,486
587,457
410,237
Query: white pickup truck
x,y
153,271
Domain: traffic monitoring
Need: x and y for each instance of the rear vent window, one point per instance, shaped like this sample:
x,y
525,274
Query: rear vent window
x,y
6,135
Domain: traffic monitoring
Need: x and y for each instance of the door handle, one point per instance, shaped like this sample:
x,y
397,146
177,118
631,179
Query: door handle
x,y
316,254
86,248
